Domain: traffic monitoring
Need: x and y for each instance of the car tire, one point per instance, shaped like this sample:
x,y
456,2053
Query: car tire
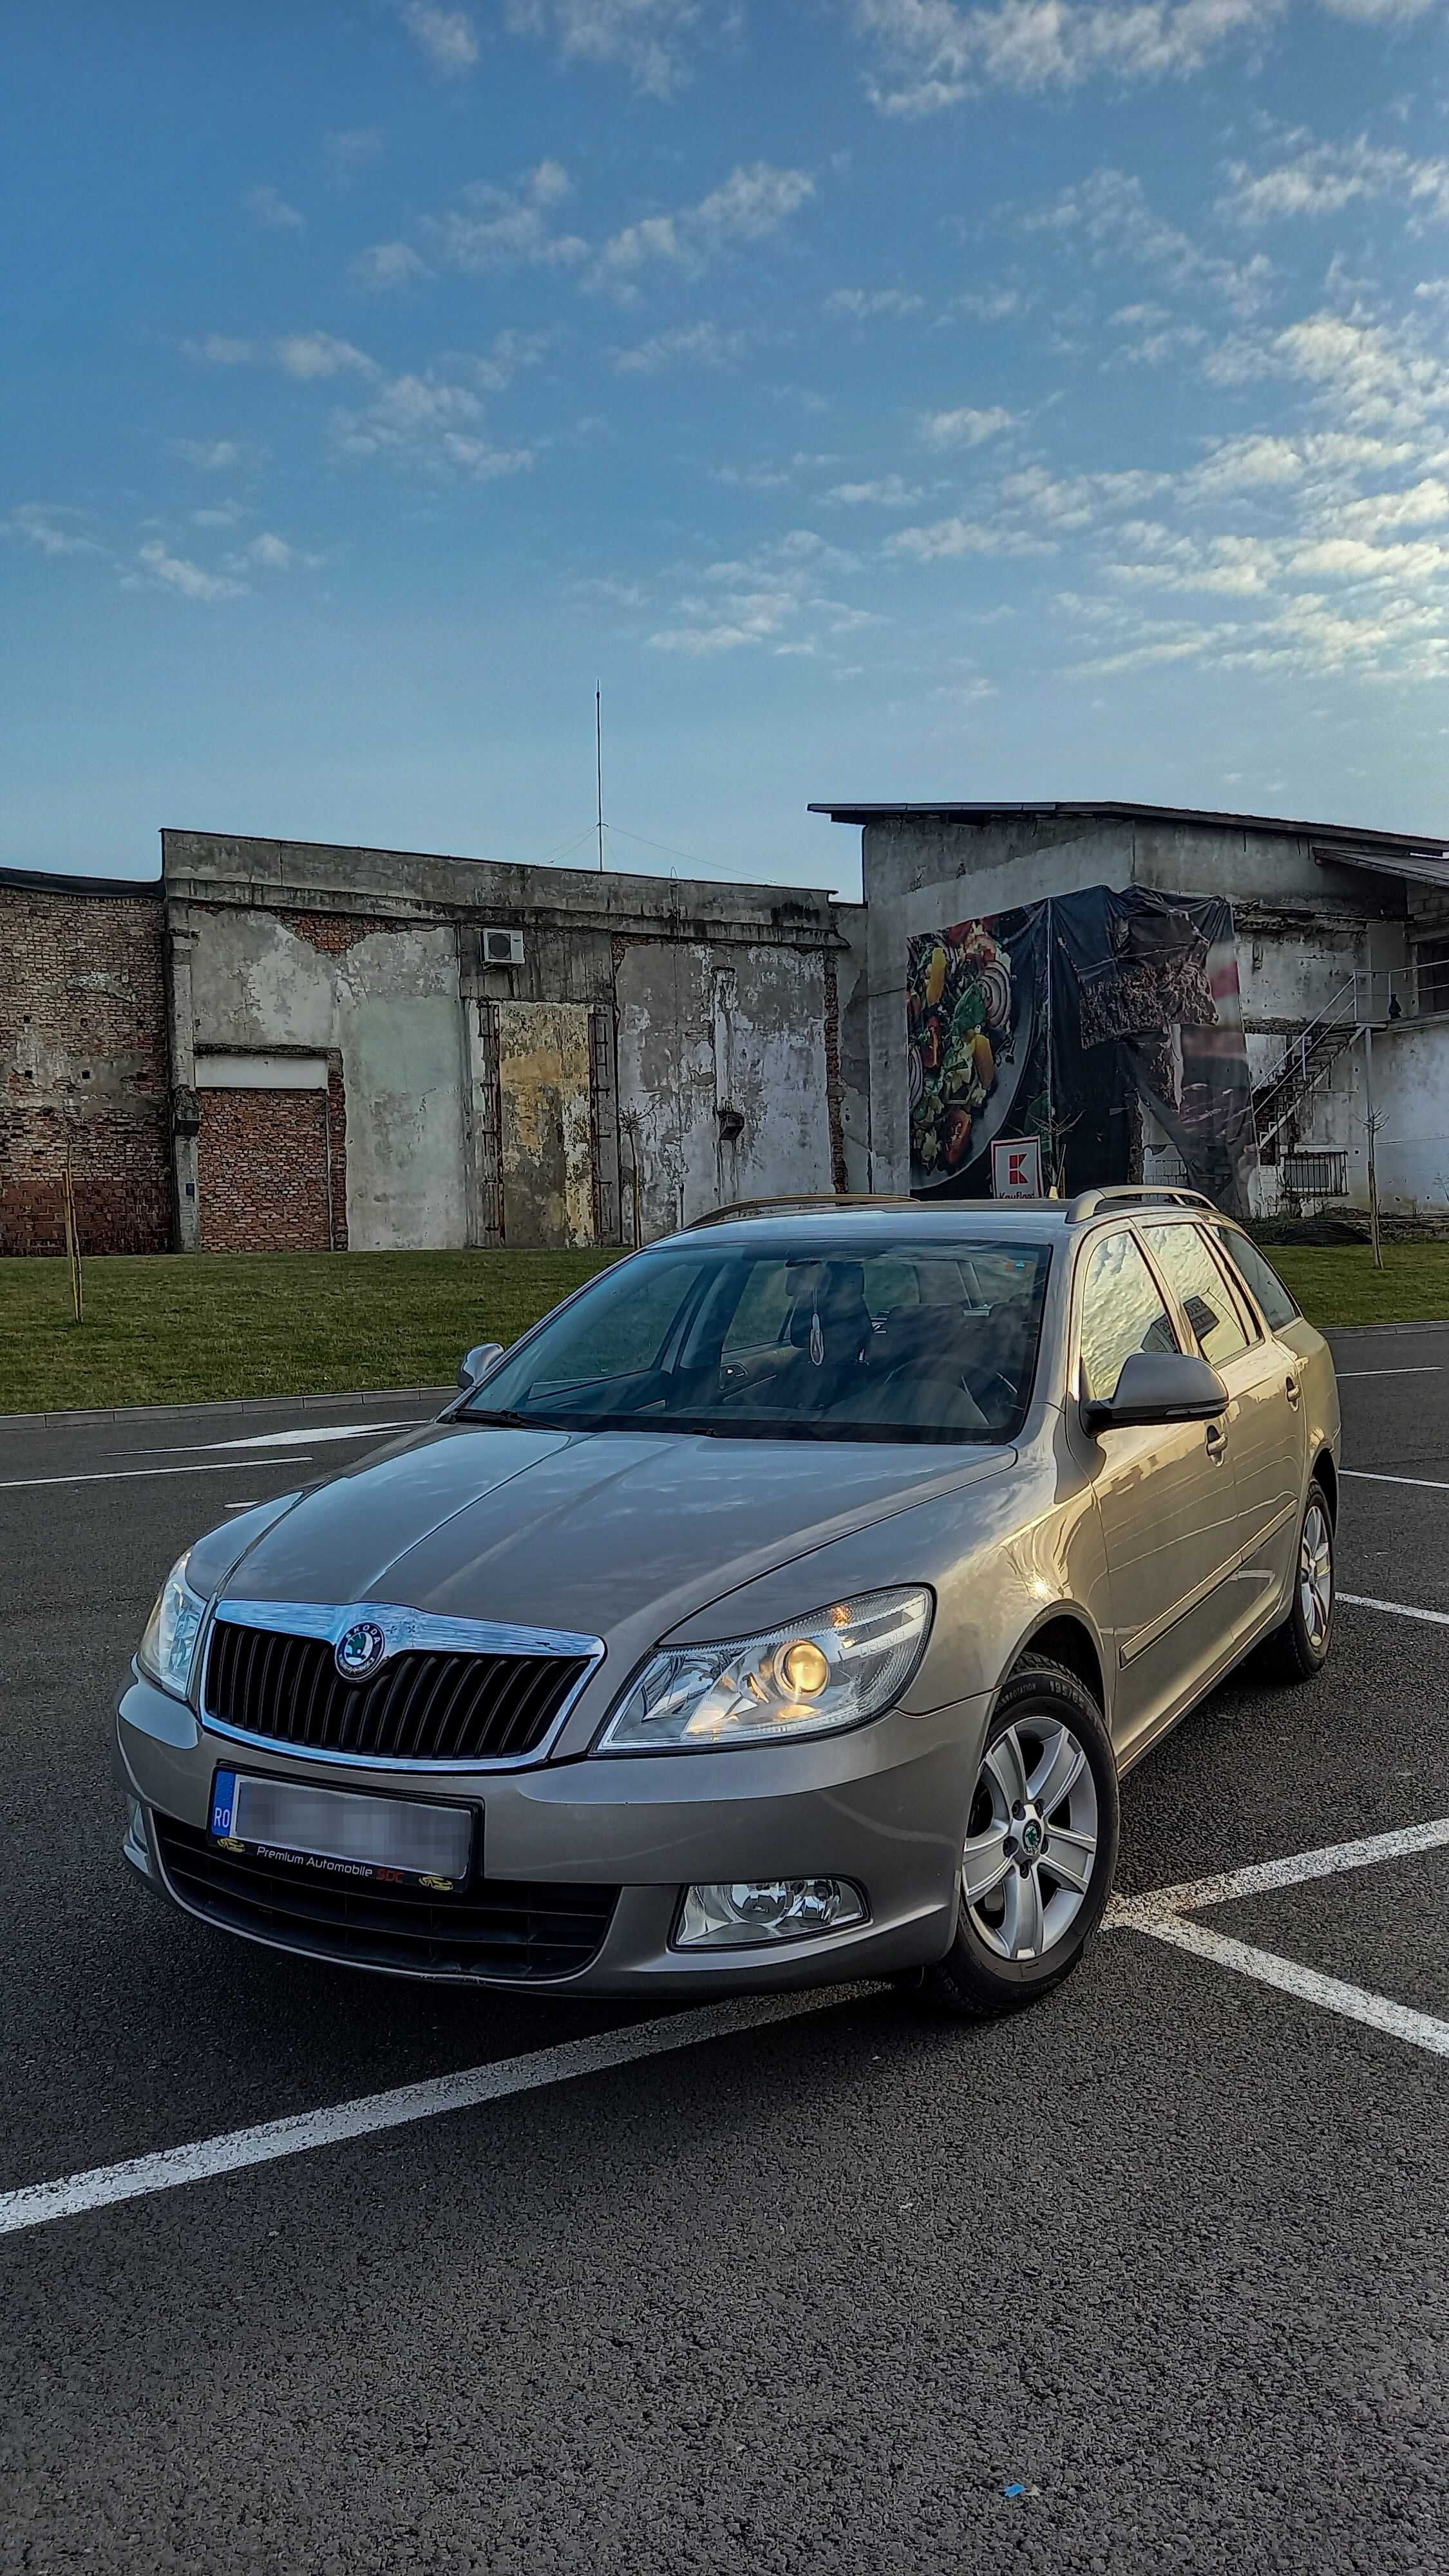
x,y
1043,1716
1300,1645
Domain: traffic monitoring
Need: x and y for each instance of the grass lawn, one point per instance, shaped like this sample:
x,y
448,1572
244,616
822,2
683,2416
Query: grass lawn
x,y
168,1330
171,1331
1338,1284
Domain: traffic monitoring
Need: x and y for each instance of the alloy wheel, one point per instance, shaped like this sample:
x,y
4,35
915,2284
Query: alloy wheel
x,y
1315,1575
1031,1840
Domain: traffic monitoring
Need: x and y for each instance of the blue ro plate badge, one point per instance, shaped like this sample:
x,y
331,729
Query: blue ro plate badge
x,y
342,1833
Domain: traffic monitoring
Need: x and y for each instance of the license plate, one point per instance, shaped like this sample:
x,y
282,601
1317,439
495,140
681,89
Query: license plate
x,y
340,1833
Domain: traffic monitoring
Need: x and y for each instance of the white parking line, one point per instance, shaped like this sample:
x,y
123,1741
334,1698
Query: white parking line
x,y
1353,2003
1163,1916
304,1439
1398,1609
1425,1368
128,1475
1373,1476
1159,1914
35,2203
1140,1913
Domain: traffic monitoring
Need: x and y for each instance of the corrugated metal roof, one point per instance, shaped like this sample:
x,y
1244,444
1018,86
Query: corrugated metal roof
x,y
1419,843
1421,867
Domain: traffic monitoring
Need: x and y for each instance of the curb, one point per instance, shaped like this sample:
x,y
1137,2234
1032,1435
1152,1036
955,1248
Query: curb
x,y
433,1396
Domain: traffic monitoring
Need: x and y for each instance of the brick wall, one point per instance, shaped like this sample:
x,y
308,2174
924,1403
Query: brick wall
x,y
83,1055
262,1171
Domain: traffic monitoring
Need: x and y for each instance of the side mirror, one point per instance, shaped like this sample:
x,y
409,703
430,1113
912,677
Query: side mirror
x,y
477,1362
1160,1387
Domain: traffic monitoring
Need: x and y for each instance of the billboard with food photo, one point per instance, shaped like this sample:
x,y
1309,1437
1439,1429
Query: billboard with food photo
x,y
977,1028
1108,1025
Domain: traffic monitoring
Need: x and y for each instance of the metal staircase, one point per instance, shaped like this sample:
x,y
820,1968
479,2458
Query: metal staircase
x,y
1307,1062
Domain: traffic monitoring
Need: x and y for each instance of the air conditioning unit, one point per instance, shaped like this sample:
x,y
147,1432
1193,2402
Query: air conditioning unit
x,y
503,948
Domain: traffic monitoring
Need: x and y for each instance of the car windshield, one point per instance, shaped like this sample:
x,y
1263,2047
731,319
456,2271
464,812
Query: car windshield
x,y
906,1341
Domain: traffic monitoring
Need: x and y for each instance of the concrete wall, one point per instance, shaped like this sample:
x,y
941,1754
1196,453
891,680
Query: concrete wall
x,y
388,1004
686,1032
722,1076
1411,1094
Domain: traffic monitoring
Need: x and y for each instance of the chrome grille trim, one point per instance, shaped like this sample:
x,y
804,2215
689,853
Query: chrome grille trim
x,y
405,1631
416,1631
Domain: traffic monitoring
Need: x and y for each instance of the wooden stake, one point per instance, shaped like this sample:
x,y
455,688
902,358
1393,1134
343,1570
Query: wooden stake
x,y
72,1238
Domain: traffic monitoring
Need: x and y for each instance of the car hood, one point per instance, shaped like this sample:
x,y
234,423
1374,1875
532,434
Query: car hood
x,y
611,1534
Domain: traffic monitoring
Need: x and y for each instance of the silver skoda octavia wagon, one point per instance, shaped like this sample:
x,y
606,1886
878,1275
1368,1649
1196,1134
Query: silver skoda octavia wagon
x,y
783,1607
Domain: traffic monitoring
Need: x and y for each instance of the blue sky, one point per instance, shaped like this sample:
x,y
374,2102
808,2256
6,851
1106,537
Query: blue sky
x,y
876,397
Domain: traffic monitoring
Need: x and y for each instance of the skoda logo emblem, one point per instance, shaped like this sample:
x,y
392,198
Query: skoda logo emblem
x,y
360,1651
1031,1838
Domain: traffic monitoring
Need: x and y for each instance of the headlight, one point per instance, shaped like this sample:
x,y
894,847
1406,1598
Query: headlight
x,y
166,1651
829,1670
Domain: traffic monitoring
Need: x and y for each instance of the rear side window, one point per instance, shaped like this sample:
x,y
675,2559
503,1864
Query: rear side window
x,y
1275,1304
1122,1312
1202,1292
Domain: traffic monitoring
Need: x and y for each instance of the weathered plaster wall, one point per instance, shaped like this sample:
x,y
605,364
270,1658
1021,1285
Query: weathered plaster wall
x,y
1411,1094
477,1092
388,1003
710,1036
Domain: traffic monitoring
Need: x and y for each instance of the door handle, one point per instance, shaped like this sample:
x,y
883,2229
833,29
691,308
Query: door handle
x,y
1215,1441
1291,1390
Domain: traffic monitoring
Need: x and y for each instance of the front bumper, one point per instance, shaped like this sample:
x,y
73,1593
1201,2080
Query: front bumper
x,y
884,1805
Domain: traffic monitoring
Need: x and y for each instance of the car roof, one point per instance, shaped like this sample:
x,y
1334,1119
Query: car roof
x,y
879,1223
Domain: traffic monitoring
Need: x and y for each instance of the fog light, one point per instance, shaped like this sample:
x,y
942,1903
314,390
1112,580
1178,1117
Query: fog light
x,y
756,1910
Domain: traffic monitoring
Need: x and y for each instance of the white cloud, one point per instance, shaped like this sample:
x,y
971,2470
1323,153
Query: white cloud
x,y
951,537
49,526
350,149
268,208
317,353
868,303
305,354
496,228
220,351
447,36
1323,178
751,204
208,455
174,572
274,552
700,344
509,353
934,53
890,492
1111,214
965,428
774,598
1363,372
430,425
388,264
647,37
990,303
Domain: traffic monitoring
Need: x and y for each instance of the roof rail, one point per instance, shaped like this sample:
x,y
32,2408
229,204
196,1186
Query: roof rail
x,y
1136,1193
781,1207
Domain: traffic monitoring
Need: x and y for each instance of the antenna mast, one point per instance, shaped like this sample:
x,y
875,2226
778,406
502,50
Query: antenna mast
x,y
599,767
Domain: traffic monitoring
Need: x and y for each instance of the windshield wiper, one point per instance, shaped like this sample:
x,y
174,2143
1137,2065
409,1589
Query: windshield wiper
x,y
502,1421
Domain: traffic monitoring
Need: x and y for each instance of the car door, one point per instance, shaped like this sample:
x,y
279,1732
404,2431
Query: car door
x,y
1164,1493
1265,1415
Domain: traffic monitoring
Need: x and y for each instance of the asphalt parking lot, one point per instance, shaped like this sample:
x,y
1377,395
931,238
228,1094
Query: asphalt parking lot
x,y
1150,2277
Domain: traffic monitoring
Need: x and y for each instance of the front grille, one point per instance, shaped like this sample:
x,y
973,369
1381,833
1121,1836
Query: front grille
x,y
499,1928
417,1708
